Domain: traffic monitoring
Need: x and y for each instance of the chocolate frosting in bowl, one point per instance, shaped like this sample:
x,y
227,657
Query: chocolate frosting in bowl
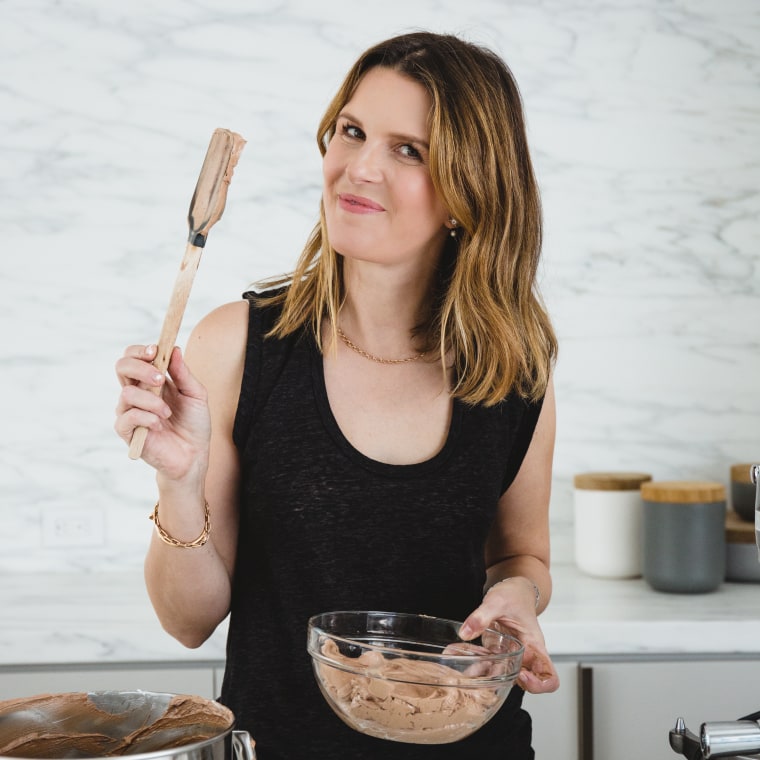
x,y
106,724
414,701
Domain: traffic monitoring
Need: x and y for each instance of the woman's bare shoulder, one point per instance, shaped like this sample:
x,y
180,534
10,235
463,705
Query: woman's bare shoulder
x,y
228,318
221,330
216,346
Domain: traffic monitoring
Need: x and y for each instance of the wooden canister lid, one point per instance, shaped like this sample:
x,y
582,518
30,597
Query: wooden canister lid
x,y
610,481
741,473
683,491
739,531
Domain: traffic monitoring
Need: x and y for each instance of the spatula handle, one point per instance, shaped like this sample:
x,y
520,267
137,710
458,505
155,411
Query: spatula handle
x,y
170,329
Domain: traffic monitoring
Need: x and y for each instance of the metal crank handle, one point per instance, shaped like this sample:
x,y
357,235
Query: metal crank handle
x,y
243,746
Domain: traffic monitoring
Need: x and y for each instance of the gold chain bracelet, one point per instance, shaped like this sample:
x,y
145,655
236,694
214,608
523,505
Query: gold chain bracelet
x,y
536,590
167,539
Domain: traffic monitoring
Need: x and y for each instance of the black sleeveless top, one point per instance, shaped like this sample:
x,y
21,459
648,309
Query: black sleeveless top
x,y
323,527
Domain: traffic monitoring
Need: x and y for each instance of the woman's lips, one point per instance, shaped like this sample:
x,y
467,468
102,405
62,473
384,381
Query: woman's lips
x,y
357,204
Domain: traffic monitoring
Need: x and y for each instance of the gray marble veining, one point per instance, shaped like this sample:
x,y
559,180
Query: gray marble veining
x,y
644,123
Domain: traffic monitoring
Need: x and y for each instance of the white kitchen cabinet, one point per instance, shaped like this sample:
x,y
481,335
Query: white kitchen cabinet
x,y
634,704
19,682
624,709
555,716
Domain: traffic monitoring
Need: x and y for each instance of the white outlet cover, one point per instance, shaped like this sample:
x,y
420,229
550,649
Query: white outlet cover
x,y
72,527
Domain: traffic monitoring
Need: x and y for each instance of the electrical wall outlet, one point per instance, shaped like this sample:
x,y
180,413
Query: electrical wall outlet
x,y
72,527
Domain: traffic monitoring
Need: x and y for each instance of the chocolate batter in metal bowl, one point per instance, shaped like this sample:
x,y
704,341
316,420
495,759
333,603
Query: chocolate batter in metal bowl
x,y
113,723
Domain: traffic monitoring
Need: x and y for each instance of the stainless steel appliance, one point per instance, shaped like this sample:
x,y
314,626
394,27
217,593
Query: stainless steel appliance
x,y
732,739
755,477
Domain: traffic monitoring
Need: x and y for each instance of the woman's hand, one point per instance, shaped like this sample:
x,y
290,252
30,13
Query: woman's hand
x,y
510,606
178,421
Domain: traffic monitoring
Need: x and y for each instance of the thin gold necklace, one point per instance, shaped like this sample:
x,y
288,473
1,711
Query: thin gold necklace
x,y
374,358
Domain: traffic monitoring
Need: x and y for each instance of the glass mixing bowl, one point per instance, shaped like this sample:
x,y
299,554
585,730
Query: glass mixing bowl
x,y
410,678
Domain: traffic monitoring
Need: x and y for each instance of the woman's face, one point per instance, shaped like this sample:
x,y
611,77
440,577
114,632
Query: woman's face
x,y
379,200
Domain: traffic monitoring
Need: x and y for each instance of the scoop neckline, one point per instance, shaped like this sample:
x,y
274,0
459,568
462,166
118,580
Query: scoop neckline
x,y
384,468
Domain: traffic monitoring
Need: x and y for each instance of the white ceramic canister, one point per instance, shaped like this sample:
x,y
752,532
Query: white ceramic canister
x,y
608,523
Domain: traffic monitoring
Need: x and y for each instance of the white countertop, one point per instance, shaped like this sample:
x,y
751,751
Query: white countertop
x,y
105,618
74,617
592,616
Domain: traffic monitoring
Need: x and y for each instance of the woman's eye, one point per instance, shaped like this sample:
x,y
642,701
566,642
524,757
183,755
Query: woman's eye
x,y
409,151
352,131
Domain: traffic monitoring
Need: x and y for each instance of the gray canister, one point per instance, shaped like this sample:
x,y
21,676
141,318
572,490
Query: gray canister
x,y
743,491
684,540
741,552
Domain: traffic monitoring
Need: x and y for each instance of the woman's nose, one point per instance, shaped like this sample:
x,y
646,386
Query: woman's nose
x,y
365,164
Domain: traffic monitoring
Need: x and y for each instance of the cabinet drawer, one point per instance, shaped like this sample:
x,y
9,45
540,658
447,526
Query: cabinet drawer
x,y
555,716
635,704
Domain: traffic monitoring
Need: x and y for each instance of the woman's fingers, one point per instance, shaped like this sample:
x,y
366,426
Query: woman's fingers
x,y
127,423
135,367
139,408
510,610
137,397
476,622
539,677
140,403
171,406
183,379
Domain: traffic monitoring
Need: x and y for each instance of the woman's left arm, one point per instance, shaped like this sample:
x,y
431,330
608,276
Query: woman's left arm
x,y
517,555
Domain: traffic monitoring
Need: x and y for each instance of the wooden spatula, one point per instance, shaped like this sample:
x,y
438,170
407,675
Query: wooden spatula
x,y
206,209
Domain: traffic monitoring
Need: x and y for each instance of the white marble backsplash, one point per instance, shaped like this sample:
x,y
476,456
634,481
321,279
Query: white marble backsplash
x,y
644,119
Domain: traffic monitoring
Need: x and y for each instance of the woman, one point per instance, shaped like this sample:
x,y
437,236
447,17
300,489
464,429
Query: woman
x,y
374,431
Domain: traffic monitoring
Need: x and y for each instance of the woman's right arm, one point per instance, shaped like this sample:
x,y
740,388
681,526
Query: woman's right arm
x,y
190,445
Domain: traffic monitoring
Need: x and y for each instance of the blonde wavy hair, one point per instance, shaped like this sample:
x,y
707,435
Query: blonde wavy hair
x,y
486,311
